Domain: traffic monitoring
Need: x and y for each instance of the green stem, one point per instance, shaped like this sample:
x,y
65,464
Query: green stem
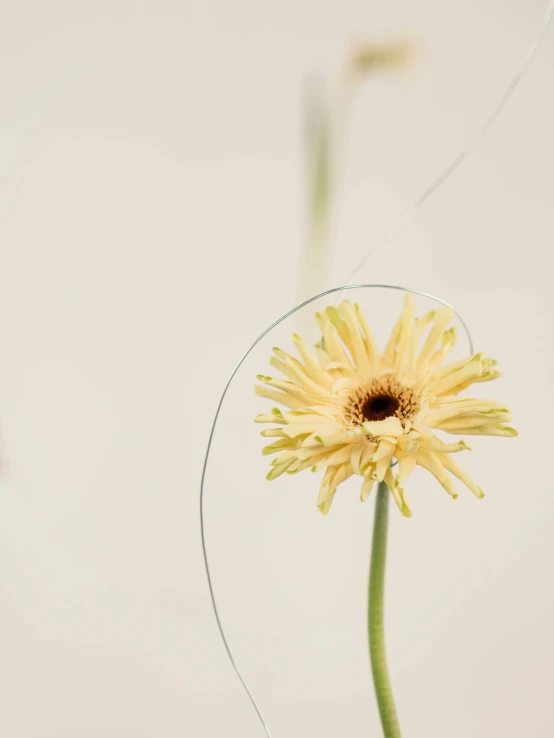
x,y
376,631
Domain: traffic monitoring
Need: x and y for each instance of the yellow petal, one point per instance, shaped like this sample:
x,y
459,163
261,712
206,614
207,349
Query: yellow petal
x,y
388,427
312,367
404,361
449,463
279,469
273,433
397,493
356,451
435,444
472,420
406,465
428,460
385,450
340,456
448,343
295,372
371,347
276,396
354,340
381,467
487,430
333,344
442,319
449,384
367,485
389,354
339,474
324,491
278,445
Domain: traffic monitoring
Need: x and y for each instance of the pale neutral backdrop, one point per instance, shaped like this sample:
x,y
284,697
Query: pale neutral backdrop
x,y
150,227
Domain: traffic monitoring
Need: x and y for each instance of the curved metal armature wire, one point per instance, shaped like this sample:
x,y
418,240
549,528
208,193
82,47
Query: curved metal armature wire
x,y
212,431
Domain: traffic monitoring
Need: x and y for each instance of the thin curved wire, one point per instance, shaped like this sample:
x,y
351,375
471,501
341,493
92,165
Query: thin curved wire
x,y
210,439
455,163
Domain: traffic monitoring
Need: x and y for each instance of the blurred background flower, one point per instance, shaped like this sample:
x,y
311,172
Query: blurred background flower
x,y
326,111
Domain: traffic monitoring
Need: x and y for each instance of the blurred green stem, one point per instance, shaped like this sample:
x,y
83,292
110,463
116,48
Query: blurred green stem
x,y
376,631
325,118
318,147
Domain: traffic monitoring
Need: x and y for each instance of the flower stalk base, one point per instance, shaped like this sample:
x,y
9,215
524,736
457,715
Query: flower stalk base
x,y
383,691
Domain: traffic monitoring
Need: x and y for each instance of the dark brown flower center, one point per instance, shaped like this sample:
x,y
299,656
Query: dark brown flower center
x,y
379,407
382,397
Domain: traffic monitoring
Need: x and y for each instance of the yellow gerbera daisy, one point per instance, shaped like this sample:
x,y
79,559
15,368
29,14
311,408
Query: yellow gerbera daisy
x,y
353,410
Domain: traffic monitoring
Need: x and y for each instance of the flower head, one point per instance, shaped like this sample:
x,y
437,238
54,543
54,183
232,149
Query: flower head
x,y
351,409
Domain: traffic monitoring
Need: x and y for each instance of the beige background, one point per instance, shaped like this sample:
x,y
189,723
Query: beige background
x,y
150,227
